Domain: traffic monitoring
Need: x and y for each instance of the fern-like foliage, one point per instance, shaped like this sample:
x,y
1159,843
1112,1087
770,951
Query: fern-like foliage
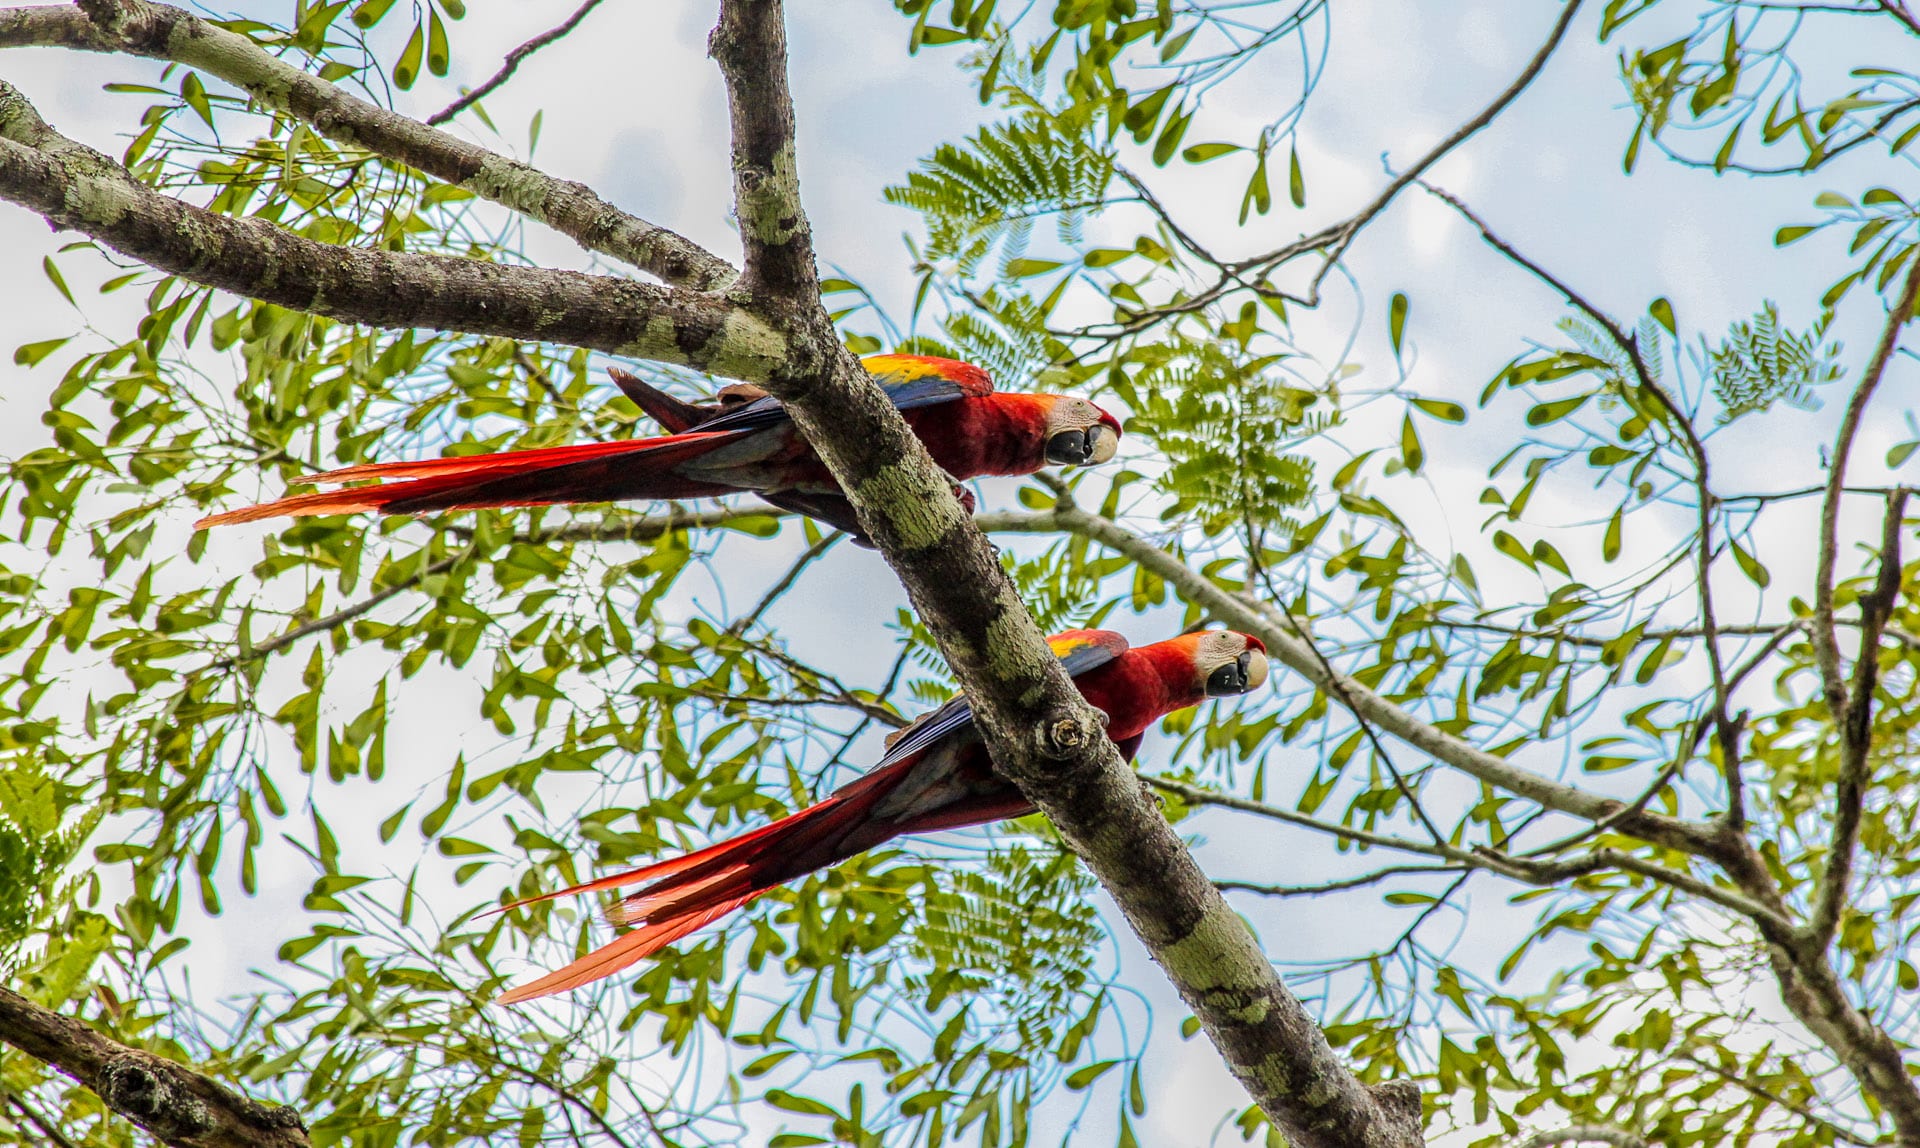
x,y
988,192
1617,370
1762,363
1022,925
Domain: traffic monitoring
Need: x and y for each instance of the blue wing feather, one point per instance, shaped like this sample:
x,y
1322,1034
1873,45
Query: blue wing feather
x,y
957,713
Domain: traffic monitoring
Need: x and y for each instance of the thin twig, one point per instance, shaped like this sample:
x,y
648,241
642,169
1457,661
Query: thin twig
x,y
1341,885
1774,1098
513,61
1335,238
745,622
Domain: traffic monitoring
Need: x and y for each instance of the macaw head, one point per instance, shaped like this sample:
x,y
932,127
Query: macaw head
x,y
1079,433
1227,663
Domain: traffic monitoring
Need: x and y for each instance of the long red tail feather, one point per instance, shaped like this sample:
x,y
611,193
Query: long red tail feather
x,y
688,893
442,479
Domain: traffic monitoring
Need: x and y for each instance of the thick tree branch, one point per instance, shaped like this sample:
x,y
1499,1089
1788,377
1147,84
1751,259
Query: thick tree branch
x,y
750,45
1856,732
177,1105
160,31
1041,733
79,188
1826,645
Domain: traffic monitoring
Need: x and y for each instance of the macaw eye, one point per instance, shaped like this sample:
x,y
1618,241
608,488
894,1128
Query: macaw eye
x,y
1069,448
1231,679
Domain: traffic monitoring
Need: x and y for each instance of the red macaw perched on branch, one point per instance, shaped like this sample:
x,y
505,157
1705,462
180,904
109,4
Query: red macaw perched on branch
x,y
935,775
743,442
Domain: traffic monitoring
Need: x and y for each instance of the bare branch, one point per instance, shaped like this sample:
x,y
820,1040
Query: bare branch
x,y
1774,1098
750,45
177,1105
1586,1134
33,1117
1726,732
1856,731
774,593
1334,239
161,31
1826,647
77,187
1444,747
1342,885
512,62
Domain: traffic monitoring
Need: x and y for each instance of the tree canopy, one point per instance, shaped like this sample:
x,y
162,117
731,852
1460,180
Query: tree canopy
x,y
1581,808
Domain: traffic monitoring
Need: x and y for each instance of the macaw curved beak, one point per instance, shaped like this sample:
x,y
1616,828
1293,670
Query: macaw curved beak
x,y
1244,674
1091,446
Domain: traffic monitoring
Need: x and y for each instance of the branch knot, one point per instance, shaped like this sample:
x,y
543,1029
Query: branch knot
x,y
133,1085
1065,735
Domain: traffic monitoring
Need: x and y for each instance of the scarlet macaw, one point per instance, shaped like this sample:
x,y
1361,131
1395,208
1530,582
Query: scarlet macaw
x,y
935,775
744,442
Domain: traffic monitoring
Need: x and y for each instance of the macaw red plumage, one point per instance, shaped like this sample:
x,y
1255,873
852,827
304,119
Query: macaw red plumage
x,y
743,442
935,775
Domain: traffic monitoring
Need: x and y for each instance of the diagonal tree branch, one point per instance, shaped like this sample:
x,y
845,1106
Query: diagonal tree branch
x,y
1042,735
1444,747
179,1106
79,188
161,31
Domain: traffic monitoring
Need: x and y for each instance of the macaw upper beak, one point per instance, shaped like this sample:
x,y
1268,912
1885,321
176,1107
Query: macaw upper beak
x,y
1094,445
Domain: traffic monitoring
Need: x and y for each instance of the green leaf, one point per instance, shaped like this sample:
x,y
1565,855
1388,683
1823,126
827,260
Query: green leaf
x,y
1027,268
437,53
1397,322
1662,311
1749,565
1792,234
1411,456
804,1105
1296,182
1080,1078
28,354
53,275
1201,153
1446,412
369,13
1610,543
407,69
195,95
1556,410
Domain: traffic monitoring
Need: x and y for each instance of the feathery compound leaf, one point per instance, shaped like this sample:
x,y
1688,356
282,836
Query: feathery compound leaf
x,y
1761,363
989,190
